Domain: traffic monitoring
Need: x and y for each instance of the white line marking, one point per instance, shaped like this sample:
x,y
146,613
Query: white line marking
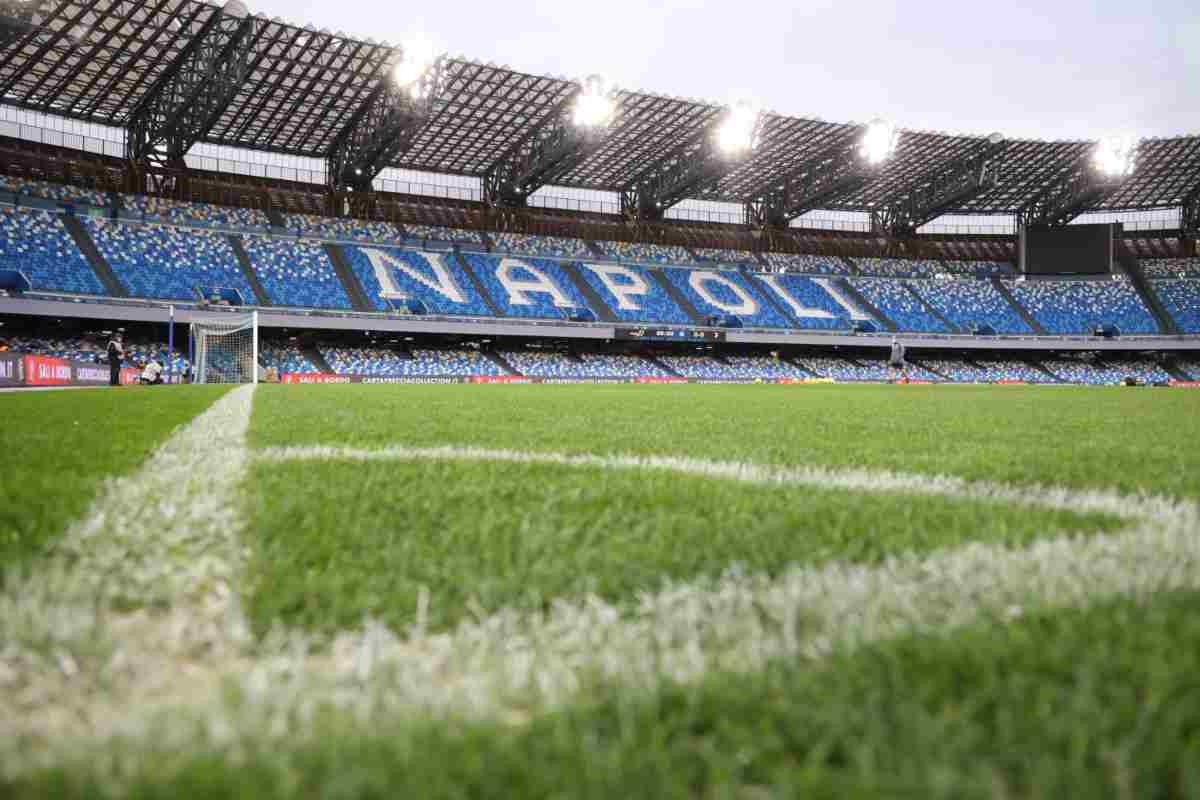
x,y
166,675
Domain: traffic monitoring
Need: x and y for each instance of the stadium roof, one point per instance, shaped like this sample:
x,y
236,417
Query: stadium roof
x,y
95,59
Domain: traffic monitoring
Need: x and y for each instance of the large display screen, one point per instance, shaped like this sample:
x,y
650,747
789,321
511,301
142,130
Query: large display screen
x,y
1073,250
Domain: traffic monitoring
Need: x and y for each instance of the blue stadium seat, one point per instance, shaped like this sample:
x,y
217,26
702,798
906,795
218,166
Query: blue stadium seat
x,y
972,301
1181,298
1171,267
890,297
166,263
550,364
378,363
627,252
727,292
37,244
57,192
286,358
540,246
1078,307
203,215
633,294
414,275
806,264
512,283
343,230
296,273
813,298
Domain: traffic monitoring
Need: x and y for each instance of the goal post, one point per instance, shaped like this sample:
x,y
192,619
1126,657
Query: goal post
x,y
225,349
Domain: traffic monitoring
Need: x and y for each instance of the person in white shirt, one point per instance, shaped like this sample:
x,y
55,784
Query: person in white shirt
x,y
152,374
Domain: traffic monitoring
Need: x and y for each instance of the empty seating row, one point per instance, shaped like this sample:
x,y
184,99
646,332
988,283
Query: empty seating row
x,y
173,212
1181,298
897,268
893,298
381,363
645,253
295,273
37,244
542,246
969,303
57,192
1171,267
351,230
814,265
1075,307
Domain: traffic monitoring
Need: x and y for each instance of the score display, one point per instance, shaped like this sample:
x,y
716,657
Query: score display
x,y
1072,250
647,333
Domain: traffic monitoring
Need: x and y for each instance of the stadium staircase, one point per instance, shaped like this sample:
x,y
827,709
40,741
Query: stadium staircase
x,y
843,286
677,296
318,360
767,294
275,216
1133,268
661,365
478,284
354,290
500,361
1042,368
939,316
98,263
1016,304
595,301
239,250
850,265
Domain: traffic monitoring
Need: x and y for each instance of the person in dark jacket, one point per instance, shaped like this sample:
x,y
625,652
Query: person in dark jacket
x,y
116,354
896,360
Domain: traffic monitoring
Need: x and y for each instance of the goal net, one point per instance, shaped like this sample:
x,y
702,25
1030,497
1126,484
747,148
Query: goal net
x,y
225,350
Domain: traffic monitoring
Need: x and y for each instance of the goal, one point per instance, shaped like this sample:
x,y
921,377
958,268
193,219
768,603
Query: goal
x,y
225,350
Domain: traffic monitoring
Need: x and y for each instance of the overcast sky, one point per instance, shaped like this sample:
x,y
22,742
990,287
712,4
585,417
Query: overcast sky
x,y
1055,69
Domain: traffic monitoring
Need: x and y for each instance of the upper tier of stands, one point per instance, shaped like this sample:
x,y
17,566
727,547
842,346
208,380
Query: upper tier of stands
x,y
792,262
1076,307
167,263
896,268
295,273
968,303
892,297
541,246
172,212
1171,267
37,244
646,253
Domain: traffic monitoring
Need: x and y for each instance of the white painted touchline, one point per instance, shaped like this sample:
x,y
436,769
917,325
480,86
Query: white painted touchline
x,y
1078,500
165,676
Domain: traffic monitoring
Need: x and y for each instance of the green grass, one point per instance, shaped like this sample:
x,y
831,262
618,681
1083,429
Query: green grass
x,y
60,446
1095,703
1128,439
333,542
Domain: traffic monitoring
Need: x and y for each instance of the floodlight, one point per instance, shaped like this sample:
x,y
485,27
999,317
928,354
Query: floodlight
x,y
417,56
879,142
594,106
1115,156
739,132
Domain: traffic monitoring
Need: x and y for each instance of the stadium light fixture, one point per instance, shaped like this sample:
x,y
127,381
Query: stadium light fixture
x,y
1116,156
417,56
594,107
738,133
879,142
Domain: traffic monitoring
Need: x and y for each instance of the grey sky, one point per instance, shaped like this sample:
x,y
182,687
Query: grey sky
x,y
1056,69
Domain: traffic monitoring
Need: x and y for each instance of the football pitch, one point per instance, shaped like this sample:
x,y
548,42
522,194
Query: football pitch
x,y
600,591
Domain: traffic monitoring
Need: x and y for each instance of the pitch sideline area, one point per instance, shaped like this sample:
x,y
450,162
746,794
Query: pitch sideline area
x,y
145,636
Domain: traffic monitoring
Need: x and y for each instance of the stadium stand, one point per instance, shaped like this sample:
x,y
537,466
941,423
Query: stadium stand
x,y
37,244
1144,369
1190,367
373,362
549,364
890,296
1011,369
1171,267
203,215
812,265
978,269
514,286
1075,307
700,367
164,263
343,230
436,280
295,273
1181,298
726,292
632,293
897,268
969,302
434,233
1083,370
811,297
286,358
957,371
53,192
540,246
842,369
751,367
138,352
645,253
730,258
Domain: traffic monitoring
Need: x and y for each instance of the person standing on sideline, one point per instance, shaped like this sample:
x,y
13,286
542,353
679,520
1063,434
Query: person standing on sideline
x,y
897,363
116,353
